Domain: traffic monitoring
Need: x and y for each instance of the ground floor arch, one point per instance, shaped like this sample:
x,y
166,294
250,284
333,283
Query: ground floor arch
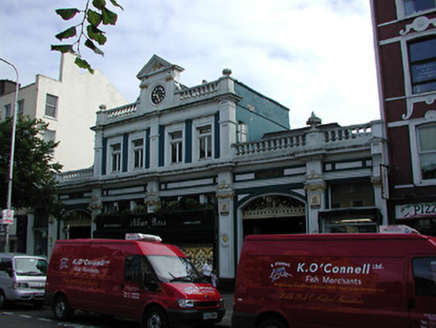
x,y
76,224
272,213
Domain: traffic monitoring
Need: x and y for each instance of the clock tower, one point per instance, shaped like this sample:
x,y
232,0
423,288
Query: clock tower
x,y
159,81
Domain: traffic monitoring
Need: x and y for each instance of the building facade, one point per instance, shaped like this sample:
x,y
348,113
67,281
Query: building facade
x,y
405,34
205,166
68,104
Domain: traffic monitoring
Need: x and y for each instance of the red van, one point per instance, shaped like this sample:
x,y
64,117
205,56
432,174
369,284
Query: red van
x,y
336,280
148,281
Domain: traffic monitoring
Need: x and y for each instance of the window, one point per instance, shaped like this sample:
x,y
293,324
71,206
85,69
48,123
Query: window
x,y
49,135
415,6
138,153
8,110
242,132
137,270
427,151
21,106
51,105
176,139
424,273
357,194
116,157
205,141
5,267
422,57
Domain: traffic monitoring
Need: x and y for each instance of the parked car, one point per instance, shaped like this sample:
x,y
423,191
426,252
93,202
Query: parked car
x,y
336,280
142,279
22,278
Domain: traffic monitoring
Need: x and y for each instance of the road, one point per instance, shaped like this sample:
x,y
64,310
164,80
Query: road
x,y
26,316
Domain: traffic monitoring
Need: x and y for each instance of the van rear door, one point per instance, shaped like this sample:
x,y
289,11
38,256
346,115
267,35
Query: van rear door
x,y
422,291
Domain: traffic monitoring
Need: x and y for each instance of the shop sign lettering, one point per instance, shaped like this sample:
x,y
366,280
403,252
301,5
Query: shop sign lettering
x,y
411,211
141,223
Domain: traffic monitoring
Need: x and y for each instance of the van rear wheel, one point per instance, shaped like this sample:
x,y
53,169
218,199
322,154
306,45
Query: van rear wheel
x,y
3,300
61,308
271,323
155,318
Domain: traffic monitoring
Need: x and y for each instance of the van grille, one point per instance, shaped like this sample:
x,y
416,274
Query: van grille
x,y
207,304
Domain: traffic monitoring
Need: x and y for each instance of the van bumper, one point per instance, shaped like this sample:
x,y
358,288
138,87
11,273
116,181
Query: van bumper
x,y
246,320
24,295
181,317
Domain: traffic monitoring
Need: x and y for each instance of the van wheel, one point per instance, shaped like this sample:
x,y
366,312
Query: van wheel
x,y
271,323
155,318
61,308
3,300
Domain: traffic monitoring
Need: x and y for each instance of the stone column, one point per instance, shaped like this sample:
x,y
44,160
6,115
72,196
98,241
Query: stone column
x,y
226,234
315,192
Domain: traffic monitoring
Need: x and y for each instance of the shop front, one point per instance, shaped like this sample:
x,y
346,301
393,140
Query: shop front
x,y
193,231
419,216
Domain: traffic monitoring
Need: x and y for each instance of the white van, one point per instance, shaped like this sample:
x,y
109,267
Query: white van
x,y
22,278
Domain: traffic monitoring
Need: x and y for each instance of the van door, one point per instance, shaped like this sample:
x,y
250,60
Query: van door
x,y
422,292
139,285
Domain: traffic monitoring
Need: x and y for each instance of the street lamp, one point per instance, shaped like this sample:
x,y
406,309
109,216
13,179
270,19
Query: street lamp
x,y
11,160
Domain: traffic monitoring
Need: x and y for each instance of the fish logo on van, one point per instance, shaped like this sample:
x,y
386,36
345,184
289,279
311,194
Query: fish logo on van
x,y
279,271
64,263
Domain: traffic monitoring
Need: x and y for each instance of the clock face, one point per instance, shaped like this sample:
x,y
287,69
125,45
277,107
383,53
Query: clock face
x,y
158,94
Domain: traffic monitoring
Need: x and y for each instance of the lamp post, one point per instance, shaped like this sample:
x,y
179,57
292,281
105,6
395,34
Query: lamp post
x,y
11,159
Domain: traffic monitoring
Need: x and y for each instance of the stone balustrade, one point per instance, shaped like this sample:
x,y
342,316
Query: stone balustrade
x,y
202,90
273,144
76,175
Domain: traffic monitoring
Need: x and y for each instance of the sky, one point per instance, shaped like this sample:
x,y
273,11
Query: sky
x,y
310,56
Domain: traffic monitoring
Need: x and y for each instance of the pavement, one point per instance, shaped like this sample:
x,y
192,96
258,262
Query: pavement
x,y
228,303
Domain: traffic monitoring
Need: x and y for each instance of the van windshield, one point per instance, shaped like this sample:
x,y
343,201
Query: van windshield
x,y
30,267
173,269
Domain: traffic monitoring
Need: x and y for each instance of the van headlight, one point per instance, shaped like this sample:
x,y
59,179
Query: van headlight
x,y
186,303
21,285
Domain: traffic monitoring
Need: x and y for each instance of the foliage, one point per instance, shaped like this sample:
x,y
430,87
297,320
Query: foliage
x,y
33,184
88,31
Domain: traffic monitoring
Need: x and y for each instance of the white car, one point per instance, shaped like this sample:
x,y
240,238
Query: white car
x,y
22,278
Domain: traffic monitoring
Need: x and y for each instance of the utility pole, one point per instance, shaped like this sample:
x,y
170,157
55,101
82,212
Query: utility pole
x,y
8,212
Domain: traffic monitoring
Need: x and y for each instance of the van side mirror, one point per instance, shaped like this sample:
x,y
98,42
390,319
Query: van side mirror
x,y
9,272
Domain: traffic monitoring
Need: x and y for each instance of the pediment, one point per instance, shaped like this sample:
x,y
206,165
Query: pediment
x,y
156,65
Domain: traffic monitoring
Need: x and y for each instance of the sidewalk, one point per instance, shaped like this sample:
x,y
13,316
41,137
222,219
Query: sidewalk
x,y
228,303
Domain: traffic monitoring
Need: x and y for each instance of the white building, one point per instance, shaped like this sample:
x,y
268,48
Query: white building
x,y
68,104
204,166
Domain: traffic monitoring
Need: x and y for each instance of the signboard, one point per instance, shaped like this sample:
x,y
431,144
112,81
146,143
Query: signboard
x,y
8,217
415,211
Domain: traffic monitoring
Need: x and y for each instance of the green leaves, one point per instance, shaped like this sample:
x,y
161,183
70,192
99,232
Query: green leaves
x,y
68,13
68,33
34,167
87,31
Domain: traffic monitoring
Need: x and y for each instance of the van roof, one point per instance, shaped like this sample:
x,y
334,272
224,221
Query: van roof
x,y
341,236
145,247
12,255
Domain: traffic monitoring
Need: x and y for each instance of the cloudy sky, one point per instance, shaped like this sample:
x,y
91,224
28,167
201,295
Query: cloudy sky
x,y
313,55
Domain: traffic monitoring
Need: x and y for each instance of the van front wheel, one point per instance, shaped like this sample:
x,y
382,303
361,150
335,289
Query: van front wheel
x,y
271,323
155,318
61,308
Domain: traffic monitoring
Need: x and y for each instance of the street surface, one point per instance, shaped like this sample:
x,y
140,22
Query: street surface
x,y
26,316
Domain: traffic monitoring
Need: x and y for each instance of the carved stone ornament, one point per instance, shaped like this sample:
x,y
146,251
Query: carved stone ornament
x,y
230,195
429,100
419,24
315,187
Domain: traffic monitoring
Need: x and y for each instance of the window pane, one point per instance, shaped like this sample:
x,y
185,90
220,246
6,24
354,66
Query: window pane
x,y
422,50
427,138
428,166
51,105
424,272
414,6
